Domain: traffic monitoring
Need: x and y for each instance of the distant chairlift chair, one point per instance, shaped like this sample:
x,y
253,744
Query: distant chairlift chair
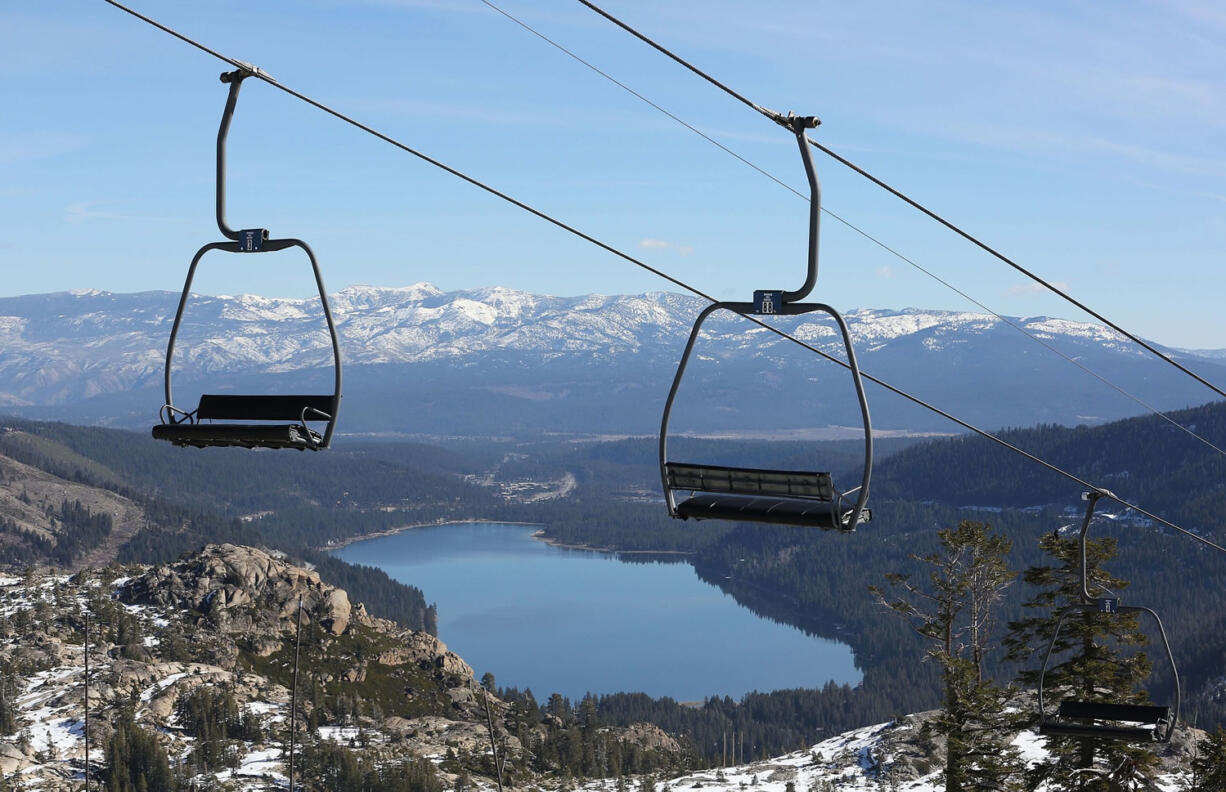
x,y
1099,719
284,421
787,497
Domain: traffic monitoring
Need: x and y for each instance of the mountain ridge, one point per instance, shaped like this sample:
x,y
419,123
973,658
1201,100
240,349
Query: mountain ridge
x,y
90,355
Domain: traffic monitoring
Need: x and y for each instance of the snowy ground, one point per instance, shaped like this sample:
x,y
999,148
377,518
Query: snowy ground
x,y
855,760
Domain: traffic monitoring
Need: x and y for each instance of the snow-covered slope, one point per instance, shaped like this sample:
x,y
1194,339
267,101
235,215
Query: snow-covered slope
x,y
874,758
64,350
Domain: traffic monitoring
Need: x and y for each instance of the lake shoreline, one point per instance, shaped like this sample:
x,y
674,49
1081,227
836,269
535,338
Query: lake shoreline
x,y
348,540
540,615
540,536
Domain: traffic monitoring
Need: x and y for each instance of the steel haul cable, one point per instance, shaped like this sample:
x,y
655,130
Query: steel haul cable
x,y
773,116
264,76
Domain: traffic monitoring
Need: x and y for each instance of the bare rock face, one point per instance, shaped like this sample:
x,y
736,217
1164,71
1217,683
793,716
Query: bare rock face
x,y
12,758
650,736
245,590
336,611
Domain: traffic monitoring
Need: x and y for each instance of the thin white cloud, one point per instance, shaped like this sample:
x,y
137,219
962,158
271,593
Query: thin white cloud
x,y
660,244
85,210
886,273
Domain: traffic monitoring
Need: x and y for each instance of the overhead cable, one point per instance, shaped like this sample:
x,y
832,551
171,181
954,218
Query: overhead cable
x,y
777,118
1019,328
264,76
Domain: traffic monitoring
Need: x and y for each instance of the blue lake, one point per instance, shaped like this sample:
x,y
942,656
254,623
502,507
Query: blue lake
x,y
575,621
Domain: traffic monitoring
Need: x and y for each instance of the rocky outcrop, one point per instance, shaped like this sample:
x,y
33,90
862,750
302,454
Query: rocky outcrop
x,y
650,736
245,590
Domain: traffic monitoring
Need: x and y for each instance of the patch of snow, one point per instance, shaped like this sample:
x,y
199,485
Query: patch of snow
x,y
157,687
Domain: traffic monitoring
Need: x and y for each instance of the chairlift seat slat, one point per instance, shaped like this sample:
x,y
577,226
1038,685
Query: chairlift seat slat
x,y
231,435
749,481
767,509
1102,710
1122,733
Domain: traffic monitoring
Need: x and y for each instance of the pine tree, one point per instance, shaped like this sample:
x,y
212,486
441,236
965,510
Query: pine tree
x,y
954,609
8,714
1093,660
135,761
1209,766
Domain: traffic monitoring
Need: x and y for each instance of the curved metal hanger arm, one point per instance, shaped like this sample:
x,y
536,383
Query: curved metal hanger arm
x,y
1092,501
235,80
798,125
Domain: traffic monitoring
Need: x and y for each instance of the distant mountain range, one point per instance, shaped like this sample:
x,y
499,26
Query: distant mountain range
x,y
496,360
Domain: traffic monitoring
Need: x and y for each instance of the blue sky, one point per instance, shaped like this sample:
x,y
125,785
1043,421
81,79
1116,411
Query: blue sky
x,y
1084,139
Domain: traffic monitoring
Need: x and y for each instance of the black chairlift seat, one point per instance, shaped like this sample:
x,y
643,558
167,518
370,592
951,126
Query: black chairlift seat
x,y
232,407
229,420
756,495
1104,720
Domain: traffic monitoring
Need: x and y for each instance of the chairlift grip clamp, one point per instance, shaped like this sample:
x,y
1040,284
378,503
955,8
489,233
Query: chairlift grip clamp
x,y
244,71
796,123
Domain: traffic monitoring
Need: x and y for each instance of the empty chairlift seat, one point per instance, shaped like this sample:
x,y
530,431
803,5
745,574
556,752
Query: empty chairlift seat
x,y
1108,721
757,495
235,413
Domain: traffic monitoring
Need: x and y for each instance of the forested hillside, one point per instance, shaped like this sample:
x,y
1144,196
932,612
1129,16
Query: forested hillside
x,y
182,501
817,581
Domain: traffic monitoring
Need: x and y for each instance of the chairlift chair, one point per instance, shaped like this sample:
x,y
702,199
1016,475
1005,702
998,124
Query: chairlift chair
x,y
1105,720
787,497
256,420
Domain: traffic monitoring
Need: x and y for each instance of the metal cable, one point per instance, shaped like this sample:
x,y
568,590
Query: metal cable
x,y
1019,328
773,116
256,72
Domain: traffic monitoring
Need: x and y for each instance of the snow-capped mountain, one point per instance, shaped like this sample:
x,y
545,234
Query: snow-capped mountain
x,y
418,359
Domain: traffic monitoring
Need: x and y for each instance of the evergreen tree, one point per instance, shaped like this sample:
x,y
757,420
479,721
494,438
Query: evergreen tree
x,y
1209,766
1094,661
954,609
8,714
135,761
